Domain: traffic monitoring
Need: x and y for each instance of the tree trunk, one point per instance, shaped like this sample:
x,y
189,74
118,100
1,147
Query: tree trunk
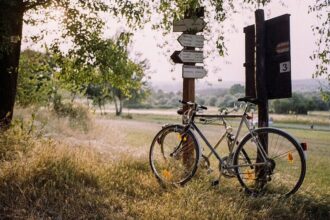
x,y
11,23
120,97
116,105
117,94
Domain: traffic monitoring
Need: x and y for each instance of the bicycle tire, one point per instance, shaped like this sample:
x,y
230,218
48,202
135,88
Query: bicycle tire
x,y
175,169
286,155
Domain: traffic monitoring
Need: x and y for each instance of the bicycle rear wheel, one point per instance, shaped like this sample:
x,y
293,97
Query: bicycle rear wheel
x,y
174,155
284,170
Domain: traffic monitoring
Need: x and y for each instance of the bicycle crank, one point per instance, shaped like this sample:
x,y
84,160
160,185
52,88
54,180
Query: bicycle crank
x,y
227,172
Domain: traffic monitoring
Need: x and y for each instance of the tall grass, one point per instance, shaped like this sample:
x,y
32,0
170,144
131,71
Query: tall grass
x,y
58,182
42,178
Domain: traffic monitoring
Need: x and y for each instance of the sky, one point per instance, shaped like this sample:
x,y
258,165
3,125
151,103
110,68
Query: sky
x,y
145,45
230,67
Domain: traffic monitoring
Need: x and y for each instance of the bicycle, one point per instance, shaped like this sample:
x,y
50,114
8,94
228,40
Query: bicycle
x,y
264,159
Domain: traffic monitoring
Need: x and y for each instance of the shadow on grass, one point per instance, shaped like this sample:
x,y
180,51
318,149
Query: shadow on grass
x,y
52,188
132,181
70,184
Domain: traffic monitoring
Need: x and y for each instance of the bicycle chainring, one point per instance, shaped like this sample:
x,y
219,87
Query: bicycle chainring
x,y
228,173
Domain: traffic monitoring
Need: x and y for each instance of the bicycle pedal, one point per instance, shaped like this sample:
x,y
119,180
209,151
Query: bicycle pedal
x,y
215,183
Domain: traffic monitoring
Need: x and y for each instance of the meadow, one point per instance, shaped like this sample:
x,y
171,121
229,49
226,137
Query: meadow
x,y
51,169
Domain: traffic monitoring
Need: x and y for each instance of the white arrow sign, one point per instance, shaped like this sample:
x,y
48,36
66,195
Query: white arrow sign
x,y
189,24
191,56
196,72
189,40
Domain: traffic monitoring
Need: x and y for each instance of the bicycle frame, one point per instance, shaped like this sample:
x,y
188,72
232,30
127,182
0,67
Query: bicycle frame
x,y
244,120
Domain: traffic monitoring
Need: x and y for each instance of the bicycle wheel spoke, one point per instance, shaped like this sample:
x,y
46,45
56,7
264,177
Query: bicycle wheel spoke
x,y
284,169
174,155
285,154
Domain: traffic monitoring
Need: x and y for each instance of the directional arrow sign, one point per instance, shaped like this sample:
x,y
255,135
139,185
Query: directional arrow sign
x,y
187,56
189,24
195,72
189,40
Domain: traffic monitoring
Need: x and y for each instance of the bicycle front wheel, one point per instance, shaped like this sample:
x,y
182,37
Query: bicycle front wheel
x,y
174,155
283,170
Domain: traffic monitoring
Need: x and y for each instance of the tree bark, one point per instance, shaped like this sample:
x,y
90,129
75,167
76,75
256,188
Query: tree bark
x,y
11,24
116,105
120,104
117,94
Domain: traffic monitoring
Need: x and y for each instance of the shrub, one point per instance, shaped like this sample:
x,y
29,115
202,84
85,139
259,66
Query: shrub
x,y
78,115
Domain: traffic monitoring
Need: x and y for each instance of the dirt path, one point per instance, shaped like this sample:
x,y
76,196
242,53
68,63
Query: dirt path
x,y
114,138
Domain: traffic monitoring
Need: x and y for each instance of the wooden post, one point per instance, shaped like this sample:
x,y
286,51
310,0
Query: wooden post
x,y
188,95
190,25
261,87
188,87
261,69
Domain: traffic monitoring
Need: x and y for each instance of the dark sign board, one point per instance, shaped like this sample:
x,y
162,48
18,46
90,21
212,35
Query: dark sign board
x,y
250,83
277,61
278,58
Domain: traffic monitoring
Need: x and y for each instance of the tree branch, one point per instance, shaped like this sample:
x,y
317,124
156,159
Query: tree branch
x,y
31,5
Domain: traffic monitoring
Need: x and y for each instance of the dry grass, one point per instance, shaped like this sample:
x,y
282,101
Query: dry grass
x,y
302,119
44,178
55,181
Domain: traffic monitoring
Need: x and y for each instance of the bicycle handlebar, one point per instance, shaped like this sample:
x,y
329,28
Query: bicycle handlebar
x,y
224,111
197,106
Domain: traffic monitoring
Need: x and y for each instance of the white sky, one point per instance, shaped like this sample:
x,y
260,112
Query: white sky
x,y
229,68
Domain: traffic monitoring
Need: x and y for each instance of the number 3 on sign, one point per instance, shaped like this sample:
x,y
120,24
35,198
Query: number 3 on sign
x,y
285,67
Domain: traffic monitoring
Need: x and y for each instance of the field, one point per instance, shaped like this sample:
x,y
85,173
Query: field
x,y
49,169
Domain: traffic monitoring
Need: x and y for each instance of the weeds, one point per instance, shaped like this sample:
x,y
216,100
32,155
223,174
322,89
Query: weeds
x,y
15,142
69,183
42,178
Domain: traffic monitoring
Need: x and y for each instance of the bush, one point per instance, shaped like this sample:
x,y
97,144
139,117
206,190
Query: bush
x,y
299,104
77,114
34,86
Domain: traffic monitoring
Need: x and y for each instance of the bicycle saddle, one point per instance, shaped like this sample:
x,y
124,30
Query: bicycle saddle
x,y
249,99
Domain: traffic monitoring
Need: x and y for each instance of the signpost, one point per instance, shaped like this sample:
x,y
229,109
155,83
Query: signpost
x,y
189,24
187,56
267,65
277,60
190,40
195,72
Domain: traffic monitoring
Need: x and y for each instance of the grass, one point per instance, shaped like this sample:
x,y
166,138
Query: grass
x,y
44,178
302,119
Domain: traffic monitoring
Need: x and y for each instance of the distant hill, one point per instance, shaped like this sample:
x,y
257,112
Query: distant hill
x,y
200,85
307,85
302,85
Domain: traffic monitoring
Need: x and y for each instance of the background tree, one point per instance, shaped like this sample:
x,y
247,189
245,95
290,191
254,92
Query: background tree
x,y
321,54
236,88
35,83
99,94
125,76
82,24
